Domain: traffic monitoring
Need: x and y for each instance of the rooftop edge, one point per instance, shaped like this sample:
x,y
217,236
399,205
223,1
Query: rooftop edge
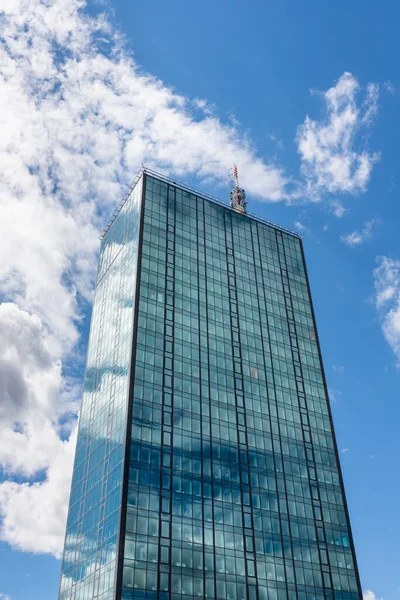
x,y
191,190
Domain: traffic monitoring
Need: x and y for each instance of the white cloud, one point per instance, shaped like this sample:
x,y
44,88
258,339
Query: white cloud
x,y
34,513
302,228
369,595
370,105
356,238
276,139
389,87
334,395
387,299
34,392
5,597
332,158
34,396
338,209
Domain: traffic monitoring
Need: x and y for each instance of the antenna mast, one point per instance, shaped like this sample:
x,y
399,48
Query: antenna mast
x,y
238,195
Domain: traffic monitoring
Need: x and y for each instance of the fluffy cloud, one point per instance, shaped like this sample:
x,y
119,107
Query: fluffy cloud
x,y
334,394
331,156
34,512
356,238
338,209
34,395
389,87
368,595
302,228
387,287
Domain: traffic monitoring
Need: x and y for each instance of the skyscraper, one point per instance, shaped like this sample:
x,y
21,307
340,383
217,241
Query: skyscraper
x,y
206,462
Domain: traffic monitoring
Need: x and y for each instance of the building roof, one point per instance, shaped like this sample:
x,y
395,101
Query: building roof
x,y
191,190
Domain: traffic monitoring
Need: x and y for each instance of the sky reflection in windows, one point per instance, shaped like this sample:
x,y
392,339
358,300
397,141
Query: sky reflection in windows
x,y
234,489
89,562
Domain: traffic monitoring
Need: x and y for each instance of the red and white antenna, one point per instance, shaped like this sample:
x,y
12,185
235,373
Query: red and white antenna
x,y
238,195
235,175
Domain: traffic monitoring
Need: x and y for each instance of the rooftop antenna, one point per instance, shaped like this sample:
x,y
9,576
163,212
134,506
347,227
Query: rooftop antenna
x,y
238,195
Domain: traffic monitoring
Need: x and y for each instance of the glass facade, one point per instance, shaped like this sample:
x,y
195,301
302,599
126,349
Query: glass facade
x,y
232,485
89,563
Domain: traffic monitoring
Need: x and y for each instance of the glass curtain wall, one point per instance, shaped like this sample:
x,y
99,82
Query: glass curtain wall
x,y
234,487
89,563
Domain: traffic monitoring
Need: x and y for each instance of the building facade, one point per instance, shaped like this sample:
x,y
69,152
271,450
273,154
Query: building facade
x,y
206,462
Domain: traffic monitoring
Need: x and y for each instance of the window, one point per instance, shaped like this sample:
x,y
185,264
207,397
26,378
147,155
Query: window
x,y
254,372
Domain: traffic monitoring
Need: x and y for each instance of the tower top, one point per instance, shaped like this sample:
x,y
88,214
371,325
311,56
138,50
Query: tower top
x,y
238,195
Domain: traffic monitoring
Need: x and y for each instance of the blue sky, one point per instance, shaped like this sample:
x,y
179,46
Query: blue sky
x,y
234,83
